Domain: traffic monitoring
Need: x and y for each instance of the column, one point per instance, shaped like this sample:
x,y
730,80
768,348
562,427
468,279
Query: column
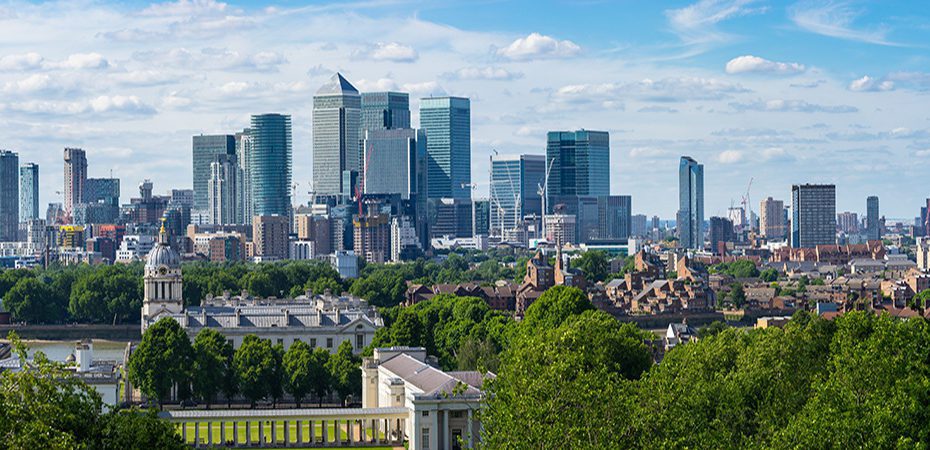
x,y
311,431
287,435
299,432
196,434
261,433
349,431
445,429
248,433
222,433
184,432
471,431
323,428
274,433
434,436
209,434
235,426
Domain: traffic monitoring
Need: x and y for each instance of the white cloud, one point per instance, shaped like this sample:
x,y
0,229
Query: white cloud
x,y
922,153
730,157
663,90
118,105
648,152
483,73
185,8
750,63
781,105
696,23
143,78
211,58
80,61
776,154
835,19
391,51
22,62
38,83
538,46
869,84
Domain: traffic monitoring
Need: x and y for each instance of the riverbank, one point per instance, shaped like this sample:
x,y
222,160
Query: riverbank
x,y
74,332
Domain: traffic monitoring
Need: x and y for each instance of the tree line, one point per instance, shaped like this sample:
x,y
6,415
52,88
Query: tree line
x,y
166,361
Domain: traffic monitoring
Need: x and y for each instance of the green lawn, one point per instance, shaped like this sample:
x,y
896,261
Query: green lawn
x,y
279,432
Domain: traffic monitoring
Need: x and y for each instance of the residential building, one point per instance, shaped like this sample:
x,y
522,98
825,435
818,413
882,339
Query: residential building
x,y
848,222
336,139
316,229
447,122
222,190
515,184
372,238
690,219
580,163
872,224
560,228
813,215
9,196
385,111
721,232
270,165
772,219
134,247
638,225
75,178
269,237
923,253
205,149
244,160
28,192
405,244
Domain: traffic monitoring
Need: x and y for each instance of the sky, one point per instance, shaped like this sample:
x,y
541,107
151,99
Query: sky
x,y
777,92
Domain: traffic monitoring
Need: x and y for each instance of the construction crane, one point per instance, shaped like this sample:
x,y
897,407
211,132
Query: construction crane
x,y
543,188
747,206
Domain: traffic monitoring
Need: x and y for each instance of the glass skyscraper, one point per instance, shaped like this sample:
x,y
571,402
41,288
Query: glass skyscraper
x,y
244,187
205,149
813,215
28,192
580,163
385,110
515,182
873,227
270,165
447,121
391,161
336,140
690,219
9,196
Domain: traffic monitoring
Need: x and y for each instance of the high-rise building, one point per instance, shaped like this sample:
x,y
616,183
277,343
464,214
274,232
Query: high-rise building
x,y
244,159
223,188
75,178
9,196
580,163
614,216
482,216
638,225
385,111
28,192
372,240
205,149
270,165
405,244
560,228
848,222
269,237
721,232
772,219
515,182
450,217
336,140
690,219
391,162
813,215
447,121
873,227
102,190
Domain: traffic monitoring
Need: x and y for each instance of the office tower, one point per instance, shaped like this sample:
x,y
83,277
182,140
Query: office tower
x,y
244,159
848,222
9,196
101,202
614,216
638,225
515,182
269,237
450,217
447,121
390,162
205,149
385,111
75,178
372,240
182,197
482,216
772,219
336,140
102,190
28,192
873,228
405,244
270,165
721,232
580,163
813,215
690,219
223,188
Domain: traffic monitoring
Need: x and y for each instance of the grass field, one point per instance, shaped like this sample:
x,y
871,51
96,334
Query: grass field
x,y
279,432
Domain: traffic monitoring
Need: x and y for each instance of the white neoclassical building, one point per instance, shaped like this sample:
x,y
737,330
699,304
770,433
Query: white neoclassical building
x,y
442,406
323,320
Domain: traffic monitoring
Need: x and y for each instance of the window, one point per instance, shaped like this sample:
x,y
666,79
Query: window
x,y
359,341
312,342
329,342
425,414
424,436
280,341
456,414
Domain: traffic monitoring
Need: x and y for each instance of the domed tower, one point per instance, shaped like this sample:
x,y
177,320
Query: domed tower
x,y
162,280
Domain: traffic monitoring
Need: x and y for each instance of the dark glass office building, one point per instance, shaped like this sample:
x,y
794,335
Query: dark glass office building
x,y
385,111
205,149
580,163
447,122
270,161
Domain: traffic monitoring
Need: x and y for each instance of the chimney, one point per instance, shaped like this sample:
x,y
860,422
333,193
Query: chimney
x,y
84,355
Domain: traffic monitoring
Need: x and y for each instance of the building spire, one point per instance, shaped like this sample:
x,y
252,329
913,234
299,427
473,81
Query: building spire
x,y
163,233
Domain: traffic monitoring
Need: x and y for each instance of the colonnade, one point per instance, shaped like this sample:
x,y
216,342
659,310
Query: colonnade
x,y
298,432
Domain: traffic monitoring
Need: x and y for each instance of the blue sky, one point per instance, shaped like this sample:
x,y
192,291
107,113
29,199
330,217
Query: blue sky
x,y
782,92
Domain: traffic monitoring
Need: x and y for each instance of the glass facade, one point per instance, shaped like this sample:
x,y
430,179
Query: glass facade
x,y
813,215
690,217
873,227
515,182
244,187
447,122
205,148
270,165
9,195
336,141
391,165
28,192
385,111
580,163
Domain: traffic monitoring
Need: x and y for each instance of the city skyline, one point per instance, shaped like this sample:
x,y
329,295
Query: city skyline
x,y
697,78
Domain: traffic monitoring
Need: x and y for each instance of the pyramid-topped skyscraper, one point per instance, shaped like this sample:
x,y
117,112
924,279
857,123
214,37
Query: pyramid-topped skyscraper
x,y
337,150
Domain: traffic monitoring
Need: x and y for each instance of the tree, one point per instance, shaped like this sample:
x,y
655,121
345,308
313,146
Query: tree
x,y
345,373
32,300
769,275
594,264
254,363
210,371
110,294
553,307
319,376
737,295
715,328
138,430
162,360
297,370
276,382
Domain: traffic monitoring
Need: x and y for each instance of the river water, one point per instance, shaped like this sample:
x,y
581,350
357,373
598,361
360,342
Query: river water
x,y
104,350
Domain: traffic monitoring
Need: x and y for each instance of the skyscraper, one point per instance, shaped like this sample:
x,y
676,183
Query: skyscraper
x,y
873,227
385,111
223,188
270,165
75,178
28,192
447,121
721,232
580,163
813,215
690,219
244,159
614,214
772,219
9,195
848,222
391,162
515,181
205,149
336,140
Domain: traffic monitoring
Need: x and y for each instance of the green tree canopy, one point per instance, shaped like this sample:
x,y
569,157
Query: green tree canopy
x,y
212,353
594,263
255,366
345,372
297,370
162,360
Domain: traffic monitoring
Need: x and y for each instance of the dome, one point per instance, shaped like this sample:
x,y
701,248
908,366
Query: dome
x,y
162,254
